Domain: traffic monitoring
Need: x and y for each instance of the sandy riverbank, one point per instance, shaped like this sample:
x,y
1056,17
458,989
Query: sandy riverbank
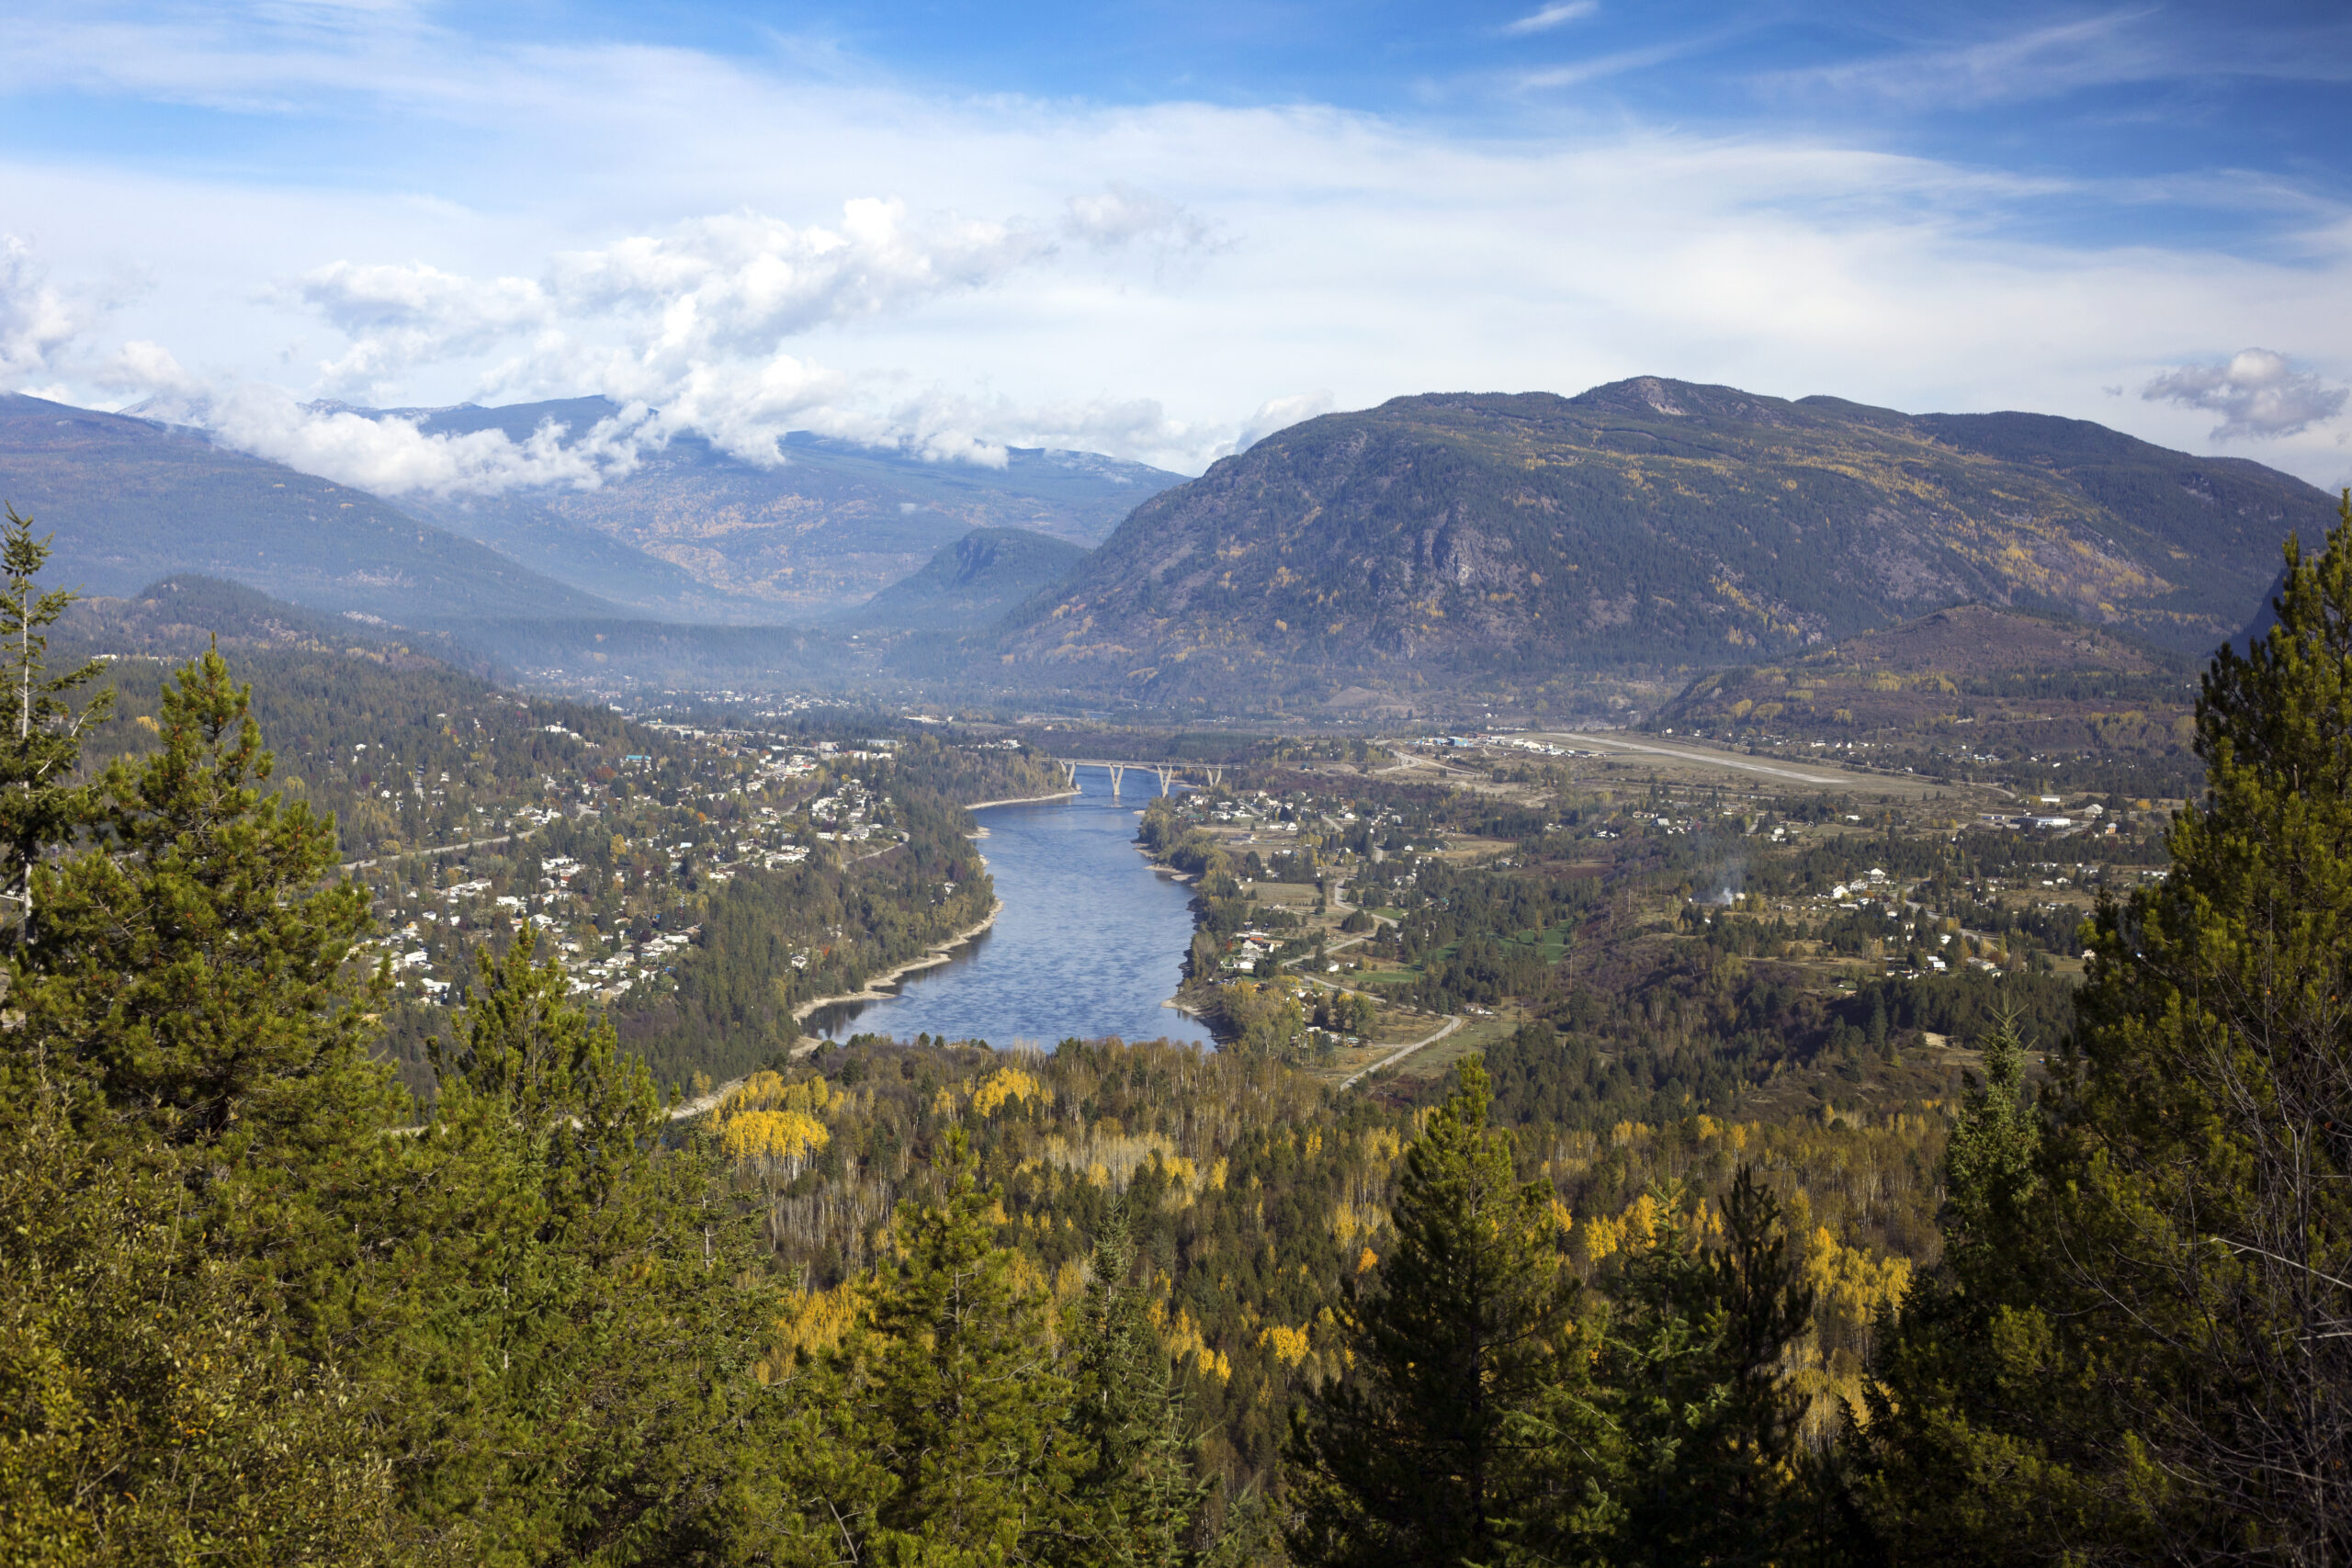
x,y
1022,800
873,991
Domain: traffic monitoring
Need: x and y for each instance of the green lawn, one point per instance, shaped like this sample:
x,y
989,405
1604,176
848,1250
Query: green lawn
x,y
1551,944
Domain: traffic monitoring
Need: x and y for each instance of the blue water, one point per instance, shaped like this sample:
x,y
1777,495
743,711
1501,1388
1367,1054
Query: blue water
x,y
1091,939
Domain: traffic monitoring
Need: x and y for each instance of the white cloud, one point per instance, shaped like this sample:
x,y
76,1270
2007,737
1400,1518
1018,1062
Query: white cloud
x,y
1553,16
1320,248
2256,392
36,320
1281,414
1119,214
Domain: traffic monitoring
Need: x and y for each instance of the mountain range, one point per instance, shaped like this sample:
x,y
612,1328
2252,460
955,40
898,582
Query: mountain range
x,y
1650,525
130,500
1432,550
693,533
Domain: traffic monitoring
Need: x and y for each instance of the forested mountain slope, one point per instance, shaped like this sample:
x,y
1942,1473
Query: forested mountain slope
x,y
130,500
1476,539
972,582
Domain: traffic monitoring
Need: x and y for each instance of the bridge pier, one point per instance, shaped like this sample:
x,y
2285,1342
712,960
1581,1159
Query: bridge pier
x,y
1069,772
1117,770
1165,772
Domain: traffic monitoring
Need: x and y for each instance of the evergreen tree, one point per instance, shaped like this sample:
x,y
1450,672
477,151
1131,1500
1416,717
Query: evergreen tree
x,y
1462,1422
187,1083
2152,1358
1975,1434
2206,1217
1696,1372
1989,1159
148,1412
1137,1500
584,1293
966,1401
193,963
42,805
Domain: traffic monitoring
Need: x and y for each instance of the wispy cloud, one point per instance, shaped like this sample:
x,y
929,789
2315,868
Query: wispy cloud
x,y
676,229
1557,14
2127,44
2256,392
1576,72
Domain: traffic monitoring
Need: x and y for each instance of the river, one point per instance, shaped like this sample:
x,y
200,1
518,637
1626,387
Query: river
x,y
1091,939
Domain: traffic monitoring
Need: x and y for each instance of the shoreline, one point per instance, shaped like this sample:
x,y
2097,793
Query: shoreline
x,y
1022,800
1177,1004
937,956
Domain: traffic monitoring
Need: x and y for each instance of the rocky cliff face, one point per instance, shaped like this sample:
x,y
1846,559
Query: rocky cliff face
x,y
1645,526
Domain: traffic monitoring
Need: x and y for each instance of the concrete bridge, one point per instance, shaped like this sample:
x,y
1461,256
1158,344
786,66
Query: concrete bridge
x,y
1167,772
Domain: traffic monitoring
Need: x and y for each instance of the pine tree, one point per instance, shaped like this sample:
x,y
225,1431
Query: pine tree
x,y
2206,1220
2141,1347
1462,1424
1989,1160
583,1299
148,1413
194,962
966,1401
1974,1435
1696,1372
188,1081
42,805
1135,1501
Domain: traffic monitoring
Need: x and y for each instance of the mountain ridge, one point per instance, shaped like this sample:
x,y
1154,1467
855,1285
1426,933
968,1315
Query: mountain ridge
x,y
970,583
131,501
692,533
1446,540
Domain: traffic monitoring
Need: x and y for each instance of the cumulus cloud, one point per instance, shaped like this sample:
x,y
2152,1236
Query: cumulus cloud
x,y
712,290
37,321
690,326
2256,392
388,455
1553,16
396,317
691,329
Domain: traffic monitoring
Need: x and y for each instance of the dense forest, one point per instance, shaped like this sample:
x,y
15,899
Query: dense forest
x,y
1133,1303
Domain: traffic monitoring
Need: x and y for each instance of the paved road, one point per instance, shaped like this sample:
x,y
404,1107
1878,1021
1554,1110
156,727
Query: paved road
x,y
436,850
1717,758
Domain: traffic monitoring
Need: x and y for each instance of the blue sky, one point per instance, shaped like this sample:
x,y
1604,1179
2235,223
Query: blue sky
x,y
1160,230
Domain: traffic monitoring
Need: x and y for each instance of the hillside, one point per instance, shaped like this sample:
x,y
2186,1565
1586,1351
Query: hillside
x,y
693,534
1495,542
130,502
971,583
1969,692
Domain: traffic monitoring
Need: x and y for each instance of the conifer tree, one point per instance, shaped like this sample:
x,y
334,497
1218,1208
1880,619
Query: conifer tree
x,y
1462,1422
2154,1356
1974,1435
41,804
187,1044
1135,1500
193,963
1696,1370
148,1412
1989,1160
967,1403
2206,1217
